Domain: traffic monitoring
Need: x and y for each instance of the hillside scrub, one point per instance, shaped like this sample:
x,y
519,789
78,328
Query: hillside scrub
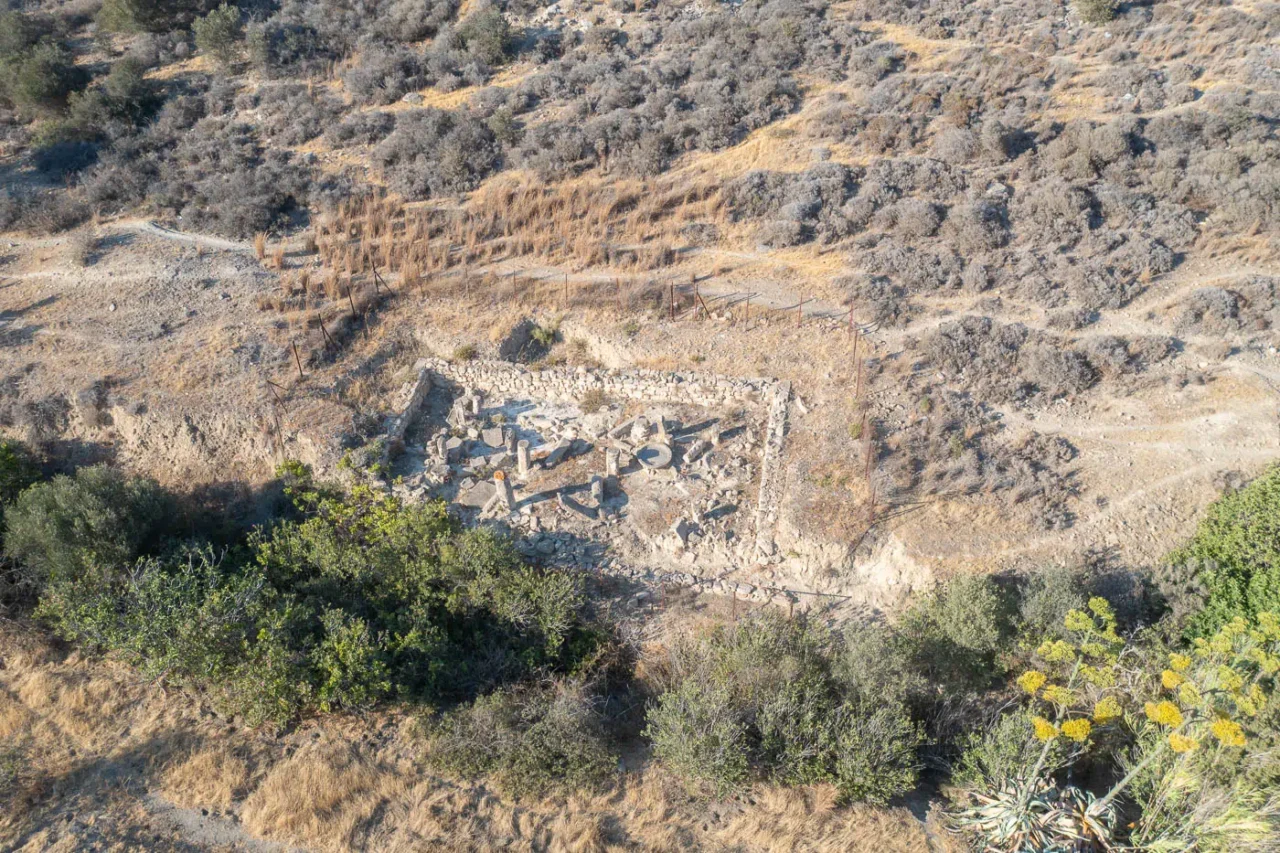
x,y
352,599
1235,555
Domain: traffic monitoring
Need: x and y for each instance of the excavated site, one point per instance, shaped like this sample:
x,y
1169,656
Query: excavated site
x,y
919,290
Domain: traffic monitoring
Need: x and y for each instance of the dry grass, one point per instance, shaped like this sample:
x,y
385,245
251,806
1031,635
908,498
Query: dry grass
x,y
99,739
320,797
210,777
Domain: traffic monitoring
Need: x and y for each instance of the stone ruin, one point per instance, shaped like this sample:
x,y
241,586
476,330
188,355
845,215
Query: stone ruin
x,y
675,477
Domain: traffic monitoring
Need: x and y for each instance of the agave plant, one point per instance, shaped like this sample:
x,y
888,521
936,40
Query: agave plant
x,y
1045,817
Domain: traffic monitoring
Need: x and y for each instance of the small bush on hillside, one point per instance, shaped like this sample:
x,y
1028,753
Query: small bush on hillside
x,y
21,31
1236,549
995,753
486,35
973,612
17,471
1096,11
1048,596
954,632
219,34
360,129
60,529
697,733
531,741
761,697
350,663
156,16
41,78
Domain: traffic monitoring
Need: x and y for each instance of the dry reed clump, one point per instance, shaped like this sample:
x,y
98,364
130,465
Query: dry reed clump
x,y
321,796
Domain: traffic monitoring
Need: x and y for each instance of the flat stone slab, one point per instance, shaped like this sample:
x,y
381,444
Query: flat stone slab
x,y
479,495
493,437
654,455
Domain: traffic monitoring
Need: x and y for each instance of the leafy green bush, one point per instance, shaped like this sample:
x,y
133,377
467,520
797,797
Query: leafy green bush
x,y
125,97
1096,11
1048,596
973,613
349,663
876,661
954,632
13,759
1236,549
487,35
764,695
18,470
41,78
220,34
21,31
697,733
1000,751
531,740
98,519
351,599
155,16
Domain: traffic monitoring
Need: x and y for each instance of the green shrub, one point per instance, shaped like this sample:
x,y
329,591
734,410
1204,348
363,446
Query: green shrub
x,y
99,517
766,696
18,470
876,661
1000,751
952,635
220,34
875,751
1237,551
156,16
487,35
698,734
20,31
182,616
351,598
466,352
13,760
41,78
531,741
1048,596
349,663
1096,11
973,613
125,96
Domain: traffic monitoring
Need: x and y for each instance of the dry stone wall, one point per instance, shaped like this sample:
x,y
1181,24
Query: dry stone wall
x,y
568,384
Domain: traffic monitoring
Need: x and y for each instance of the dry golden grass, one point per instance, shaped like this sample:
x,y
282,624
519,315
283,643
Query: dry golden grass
x,y
320,797
210,777
99,739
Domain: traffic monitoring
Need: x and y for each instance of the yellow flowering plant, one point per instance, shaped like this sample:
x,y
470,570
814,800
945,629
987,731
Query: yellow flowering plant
x,y
1205,699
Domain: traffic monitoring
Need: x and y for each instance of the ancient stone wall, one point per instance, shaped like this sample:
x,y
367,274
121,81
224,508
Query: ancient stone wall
x,y
568,384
